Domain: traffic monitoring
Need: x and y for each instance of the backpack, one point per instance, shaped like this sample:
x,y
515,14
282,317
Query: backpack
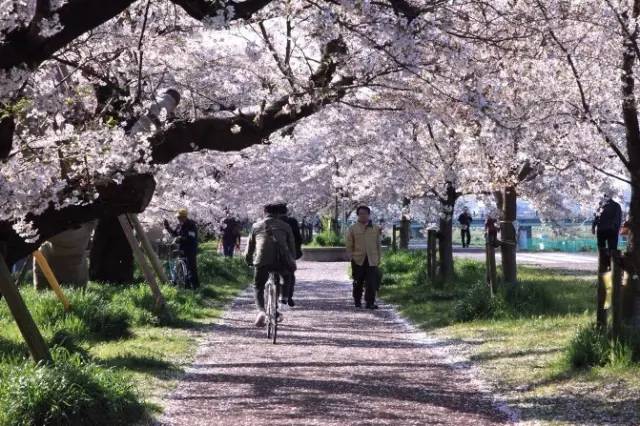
x,y
282,259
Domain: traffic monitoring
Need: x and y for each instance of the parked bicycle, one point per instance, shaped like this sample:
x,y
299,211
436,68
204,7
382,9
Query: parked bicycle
x,y
177,266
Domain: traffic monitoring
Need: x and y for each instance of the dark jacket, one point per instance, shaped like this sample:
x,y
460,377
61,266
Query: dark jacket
x,y
260,250
295,228
231,232
187,234
465,219
608,218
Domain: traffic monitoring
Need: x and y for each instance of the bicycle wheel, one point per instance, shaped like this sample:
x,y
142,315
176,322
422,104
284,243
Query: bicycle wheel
x,y
274,298
181,273
269,307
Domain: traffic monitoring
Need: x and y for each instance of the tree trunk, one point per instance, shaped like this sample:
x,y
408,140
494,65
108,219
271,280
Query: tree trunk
x,y
507,203
445,232
632,130
404,233
404,225
111,256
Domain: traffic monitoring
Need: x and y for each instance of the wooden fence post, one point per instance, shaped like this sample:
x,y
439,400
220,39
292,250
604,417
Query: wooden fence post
x,y
601,312
492,274
394,243
28,328
146,245
142,262
432,261
616,293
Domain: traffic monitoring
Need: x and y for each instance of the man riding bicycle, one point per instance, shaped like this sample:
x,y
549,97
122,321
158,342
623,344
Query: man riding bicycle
x,y
262,253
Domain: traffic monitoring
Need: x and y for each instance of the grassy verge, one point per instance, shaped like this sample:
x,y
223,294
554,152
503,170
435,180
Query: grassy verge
x,y
523,341
114,358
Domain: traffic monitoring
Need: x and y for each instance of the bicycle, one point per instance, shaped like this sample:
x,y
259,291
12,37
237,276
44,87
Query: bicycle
x,y
271,291
178,266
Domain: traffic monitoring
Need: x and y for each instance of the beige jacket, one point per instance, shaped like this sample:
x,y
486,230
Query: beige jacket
x,y
364,241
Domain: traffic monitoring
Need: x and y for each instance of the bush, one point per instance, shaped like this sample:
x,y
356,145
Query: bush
x,y
528,298
328,239
477,303
402,262
70,391
590,347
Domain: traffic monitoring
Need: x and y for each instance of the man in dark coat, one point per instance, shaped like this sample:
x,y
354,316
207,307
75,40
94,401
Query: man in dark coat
x,y
606,225
187,235
287,291
230,236
465,220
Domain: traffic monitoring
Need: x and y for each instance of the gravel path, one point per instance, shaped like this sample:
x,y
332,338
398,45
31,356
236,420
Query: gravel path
x,y
333,365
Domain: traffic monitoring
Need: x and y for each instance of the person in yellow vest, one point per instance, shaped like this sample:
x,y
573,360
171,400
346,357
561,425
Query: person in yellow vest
x,y
363,244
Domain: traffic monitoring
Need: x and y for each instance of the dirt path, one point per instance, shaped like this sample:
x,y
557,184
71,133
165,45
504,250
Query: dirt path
x,y
333,365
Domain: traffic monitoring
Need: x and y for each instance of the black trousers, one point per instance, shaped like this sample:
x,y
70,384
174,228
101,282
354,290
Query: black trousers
x,y
466,237
608,238
607,241
228,249
192,270
288,285
260,278
365,278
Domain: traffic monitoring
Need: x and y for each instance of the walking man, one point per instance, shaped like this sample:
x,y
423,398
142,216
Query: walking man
x,y
187,235
287,290
465,220
364,245
606,226
230,236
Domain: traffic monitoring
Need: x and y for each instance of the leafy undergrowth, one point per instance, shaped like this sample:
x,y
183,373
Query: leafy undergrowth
x,y
114,357
534,342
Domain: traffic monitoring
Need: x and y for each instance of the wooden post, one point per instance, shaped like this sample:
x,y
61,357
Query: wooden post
x,y
432,239
601,312
51,278
146,245
28,328
142,262
616,295
394,243
492,275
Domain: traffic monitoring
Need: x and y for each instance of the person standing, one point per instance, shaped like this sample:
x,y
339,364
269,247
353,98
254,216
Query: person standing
x,y
606,227
187,236
364,245
491,229
230,236
465,220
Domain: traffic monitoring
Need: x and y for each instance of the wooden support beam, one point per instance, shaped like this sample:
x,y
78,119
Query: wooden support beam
x,y
51,278
616,293
492,274
28,328
142,262
148,248
603,266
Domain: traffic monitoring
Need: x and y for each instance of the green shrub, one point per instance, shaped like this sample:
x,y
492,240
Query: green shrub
x,y
477,303
528,298
328,239
70,391
590,347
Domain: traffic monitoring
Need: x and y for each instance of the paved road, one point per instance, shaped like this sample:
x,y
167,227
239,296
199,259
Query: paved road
x,y
334,365
586,262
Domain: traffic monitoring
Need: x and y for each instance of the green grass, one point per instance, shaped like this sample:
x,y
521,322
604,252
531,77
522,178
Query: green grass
x,y
523,346
111,337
